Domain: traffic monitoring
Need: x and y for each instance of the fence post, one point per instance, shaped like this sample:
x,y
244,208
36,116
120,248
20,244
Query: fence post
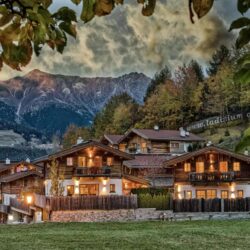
x,y
222,205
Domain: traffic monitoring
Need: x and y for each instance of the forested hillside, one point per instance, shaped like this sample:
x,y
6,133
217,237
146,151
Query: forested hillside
x,y
177,98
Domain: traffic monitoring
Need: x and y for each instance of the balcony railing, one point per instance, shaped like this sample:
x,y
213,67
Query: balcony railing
x,y
96,171
212,177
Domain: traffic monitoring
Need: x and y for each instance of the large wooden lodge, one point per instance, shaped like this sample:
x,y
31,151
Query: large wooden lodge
x,y
141,158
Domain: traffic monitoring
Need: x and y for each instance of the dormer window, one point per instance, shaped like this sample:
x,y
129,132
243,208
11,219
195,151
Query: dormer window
x,y
187,167
81,161
236,166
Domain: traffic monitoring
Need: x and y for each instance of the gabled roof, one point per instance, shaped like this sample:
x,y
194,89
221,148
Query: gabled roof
x,y
147,161
208,149
83,146
4,166
113,139
162,135
20,175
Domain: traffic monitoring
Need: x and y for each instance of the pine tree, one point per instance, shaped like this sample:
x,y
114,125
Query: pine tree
x,y
159,78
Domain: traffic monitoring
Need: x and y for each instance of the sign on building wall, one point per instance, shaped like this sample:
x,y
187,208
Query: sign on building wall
x,y
217,120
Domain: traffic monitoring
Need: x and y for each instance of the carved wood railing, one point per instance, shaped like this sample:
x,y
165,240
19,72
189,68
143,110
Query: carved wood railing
x,y
212,177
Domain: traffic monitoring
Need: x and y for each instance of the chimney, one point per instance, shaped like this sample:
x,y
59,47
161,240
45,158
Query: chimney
x,y
182,132
28,160
246,152
156,127
79,140
7,161
187,133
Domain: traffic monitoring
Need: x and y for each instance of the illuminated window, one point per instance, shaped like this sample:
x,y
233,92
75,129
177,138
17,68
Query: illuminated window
x,y
112,188
188,194
69,161
82,161
211,158
122,147
98,161
200,167
70,190
143,145
174,145
240,193
223,166
236,166
224,194
187,167
110,161
211,193
200,194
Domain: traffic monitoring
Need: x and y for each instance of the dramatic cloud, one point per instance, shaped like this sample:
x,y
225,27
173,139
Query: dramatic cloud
x,y
126,41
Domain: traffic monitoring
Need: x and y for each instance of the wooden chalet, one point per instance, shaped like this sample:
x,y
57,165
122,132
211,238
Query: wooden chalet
x,y
153,141
90,168
211,172
19,178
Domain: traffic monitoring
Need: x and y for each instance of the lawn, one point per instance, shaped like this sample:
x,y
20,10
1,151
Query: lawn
x,y
131,235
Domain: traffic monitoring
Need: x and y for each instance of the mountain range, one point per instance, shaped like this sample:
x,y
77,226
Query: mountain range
x,y
44,104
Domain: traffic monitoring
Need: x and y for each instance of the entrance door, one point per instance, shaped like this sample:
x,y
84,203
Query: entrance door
x,y
89,189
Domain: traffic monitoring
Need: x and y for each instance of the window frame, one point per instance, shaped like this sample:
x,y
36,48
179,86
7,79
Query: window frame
x,y
200,190
70,161
211,190
226,191
236,168
242,191
186,196
196,167
221,166
68,187
111,190
187,167
111,162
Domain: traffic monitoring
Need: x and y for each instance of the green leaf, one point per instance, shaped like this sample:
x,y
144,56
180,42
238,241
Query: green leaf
x,y
88,10
76,1
202,7
243,76
243,38
65,14
149,8
239,23
68,28
17,56
243,6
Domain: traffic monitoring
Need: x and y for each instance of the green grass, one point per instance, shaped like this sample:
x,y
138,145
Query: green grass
x,y
131,235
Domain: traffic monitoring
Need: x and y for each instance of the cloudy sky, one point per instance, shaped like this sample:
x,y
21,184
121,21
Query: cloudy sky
x,y
126,41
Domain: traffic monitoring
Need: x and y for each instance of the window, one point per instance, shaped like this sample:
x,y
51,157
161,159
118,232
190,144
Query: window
x,y
240,193
82,161
187,167
70,190
223,166
211,158
98,161
69,161
188,194
236,166
200,194
211,193
143,145
110,161
200,167
174,145
89,189
112,188
224,194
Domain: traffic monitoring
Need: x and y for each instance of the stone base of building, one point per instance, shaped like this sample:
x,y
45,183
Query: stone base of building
x,y
108,215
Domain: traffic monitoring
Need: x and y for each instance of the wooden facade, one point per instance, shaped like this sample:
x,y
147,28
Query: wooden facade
x,y
211,172
20,178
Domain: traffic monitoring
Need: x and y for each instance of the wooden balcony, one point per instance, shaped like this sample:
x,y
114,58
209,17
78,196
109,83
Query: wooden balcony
x,y
96,172
212,177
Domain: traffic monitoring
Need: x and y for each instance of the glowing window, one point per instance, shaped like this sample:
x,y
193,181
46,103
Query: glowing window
x,y
240,193
69,161
236,166
223,166
224,194
200,194
200,167
188,194
112,188
110,161
187,167
81,161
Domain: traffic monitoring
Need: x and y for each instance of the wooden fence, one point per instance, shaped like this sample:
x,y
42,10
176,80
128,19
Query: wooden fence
x,y
92,202
212,205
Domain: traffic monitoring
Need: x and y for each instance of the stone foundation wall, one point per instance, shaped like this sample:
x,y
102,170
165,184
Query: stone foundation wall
x,y
107,215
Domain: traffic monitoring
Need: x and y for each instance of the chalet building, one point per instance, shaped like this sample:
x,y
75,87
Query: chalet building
x,y
150,168
153,141
210,173
18,178
91,168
